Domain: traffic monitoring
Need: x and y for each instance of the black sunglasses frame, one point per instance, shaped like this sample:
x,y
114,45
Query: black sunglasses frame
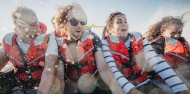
x,y
75,22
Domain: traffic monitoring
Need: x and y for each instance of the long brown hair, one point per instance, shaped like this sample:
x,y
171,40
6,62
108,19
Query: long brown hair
x,y
156,29
109,22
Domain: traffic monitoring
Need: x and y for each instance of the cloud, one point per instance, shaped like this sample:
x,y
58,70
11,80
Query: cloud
x,y
173,11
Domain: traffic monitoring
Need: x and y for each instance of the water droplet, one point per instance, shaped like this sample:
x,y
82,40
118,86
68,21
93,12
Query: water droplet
x,y
56,66
48,69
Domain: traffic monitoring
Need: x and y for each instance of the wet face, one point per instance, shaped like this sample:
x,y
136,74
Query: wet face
x,y
27,26
173,31
120,26
75,26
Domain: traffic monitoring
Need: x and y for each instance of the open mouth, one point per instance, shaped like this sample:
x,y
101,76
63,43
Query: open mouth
x,y
123,30
78,31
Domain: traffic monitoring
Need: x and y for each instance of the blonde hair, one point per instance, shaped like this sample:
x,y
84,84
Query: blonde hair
x,y
60,18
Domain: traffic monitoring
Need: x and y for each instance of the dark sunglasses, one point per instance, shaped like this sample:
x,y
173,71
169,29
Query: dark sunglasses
x,y
74,22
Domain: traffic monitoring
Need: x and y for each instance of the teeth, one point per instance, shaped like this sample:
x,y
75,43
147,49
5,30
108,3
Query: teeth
x,y
123,29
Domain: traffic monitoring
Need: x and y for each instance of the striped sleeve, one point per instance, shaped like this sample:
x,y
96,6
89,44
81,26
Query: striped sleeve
x,y
161,67
123,82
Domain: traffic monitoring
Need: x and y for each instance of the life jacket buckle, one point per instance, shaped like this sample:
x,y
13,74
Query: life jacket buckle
x,y
28,71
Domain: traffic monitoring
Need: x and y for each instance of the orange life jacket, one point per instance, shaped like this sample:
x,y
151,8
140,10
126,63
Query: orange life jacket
x,y
125,58
176,53
85,57
30,75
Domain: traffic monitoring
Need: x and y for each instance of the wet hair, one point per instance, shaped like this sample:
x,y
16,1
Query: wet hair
x,y
17,13
109,22
60,18
156,29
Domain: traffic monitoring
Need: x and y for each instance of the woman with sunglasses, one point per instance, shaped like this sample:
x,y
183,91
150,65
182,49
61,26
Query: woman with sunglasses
x,y
28,50
165,37
128,54
81,53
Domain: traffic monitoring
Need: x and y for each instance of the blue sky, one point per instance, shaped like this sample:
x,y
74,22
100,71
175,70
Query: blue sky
x,y
140,13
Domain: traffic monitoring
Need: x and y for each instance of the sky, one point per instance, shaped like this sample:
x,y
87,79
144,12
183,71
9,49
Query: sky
x,y
140,13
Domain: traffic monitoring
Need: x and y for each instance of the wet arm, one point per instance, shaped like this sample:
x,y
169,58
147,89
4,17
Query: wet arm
x,y
49,72
3,58
60,77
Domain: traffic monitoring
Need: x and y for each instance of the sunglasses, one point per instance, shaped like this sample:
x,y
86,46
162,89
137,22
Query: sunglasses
x,y
74,22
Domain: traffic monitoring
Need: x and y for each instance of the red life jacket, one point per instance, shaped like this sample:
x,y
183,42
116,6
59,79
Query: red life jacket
x,y
122,56
176,53
85,57
30,75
